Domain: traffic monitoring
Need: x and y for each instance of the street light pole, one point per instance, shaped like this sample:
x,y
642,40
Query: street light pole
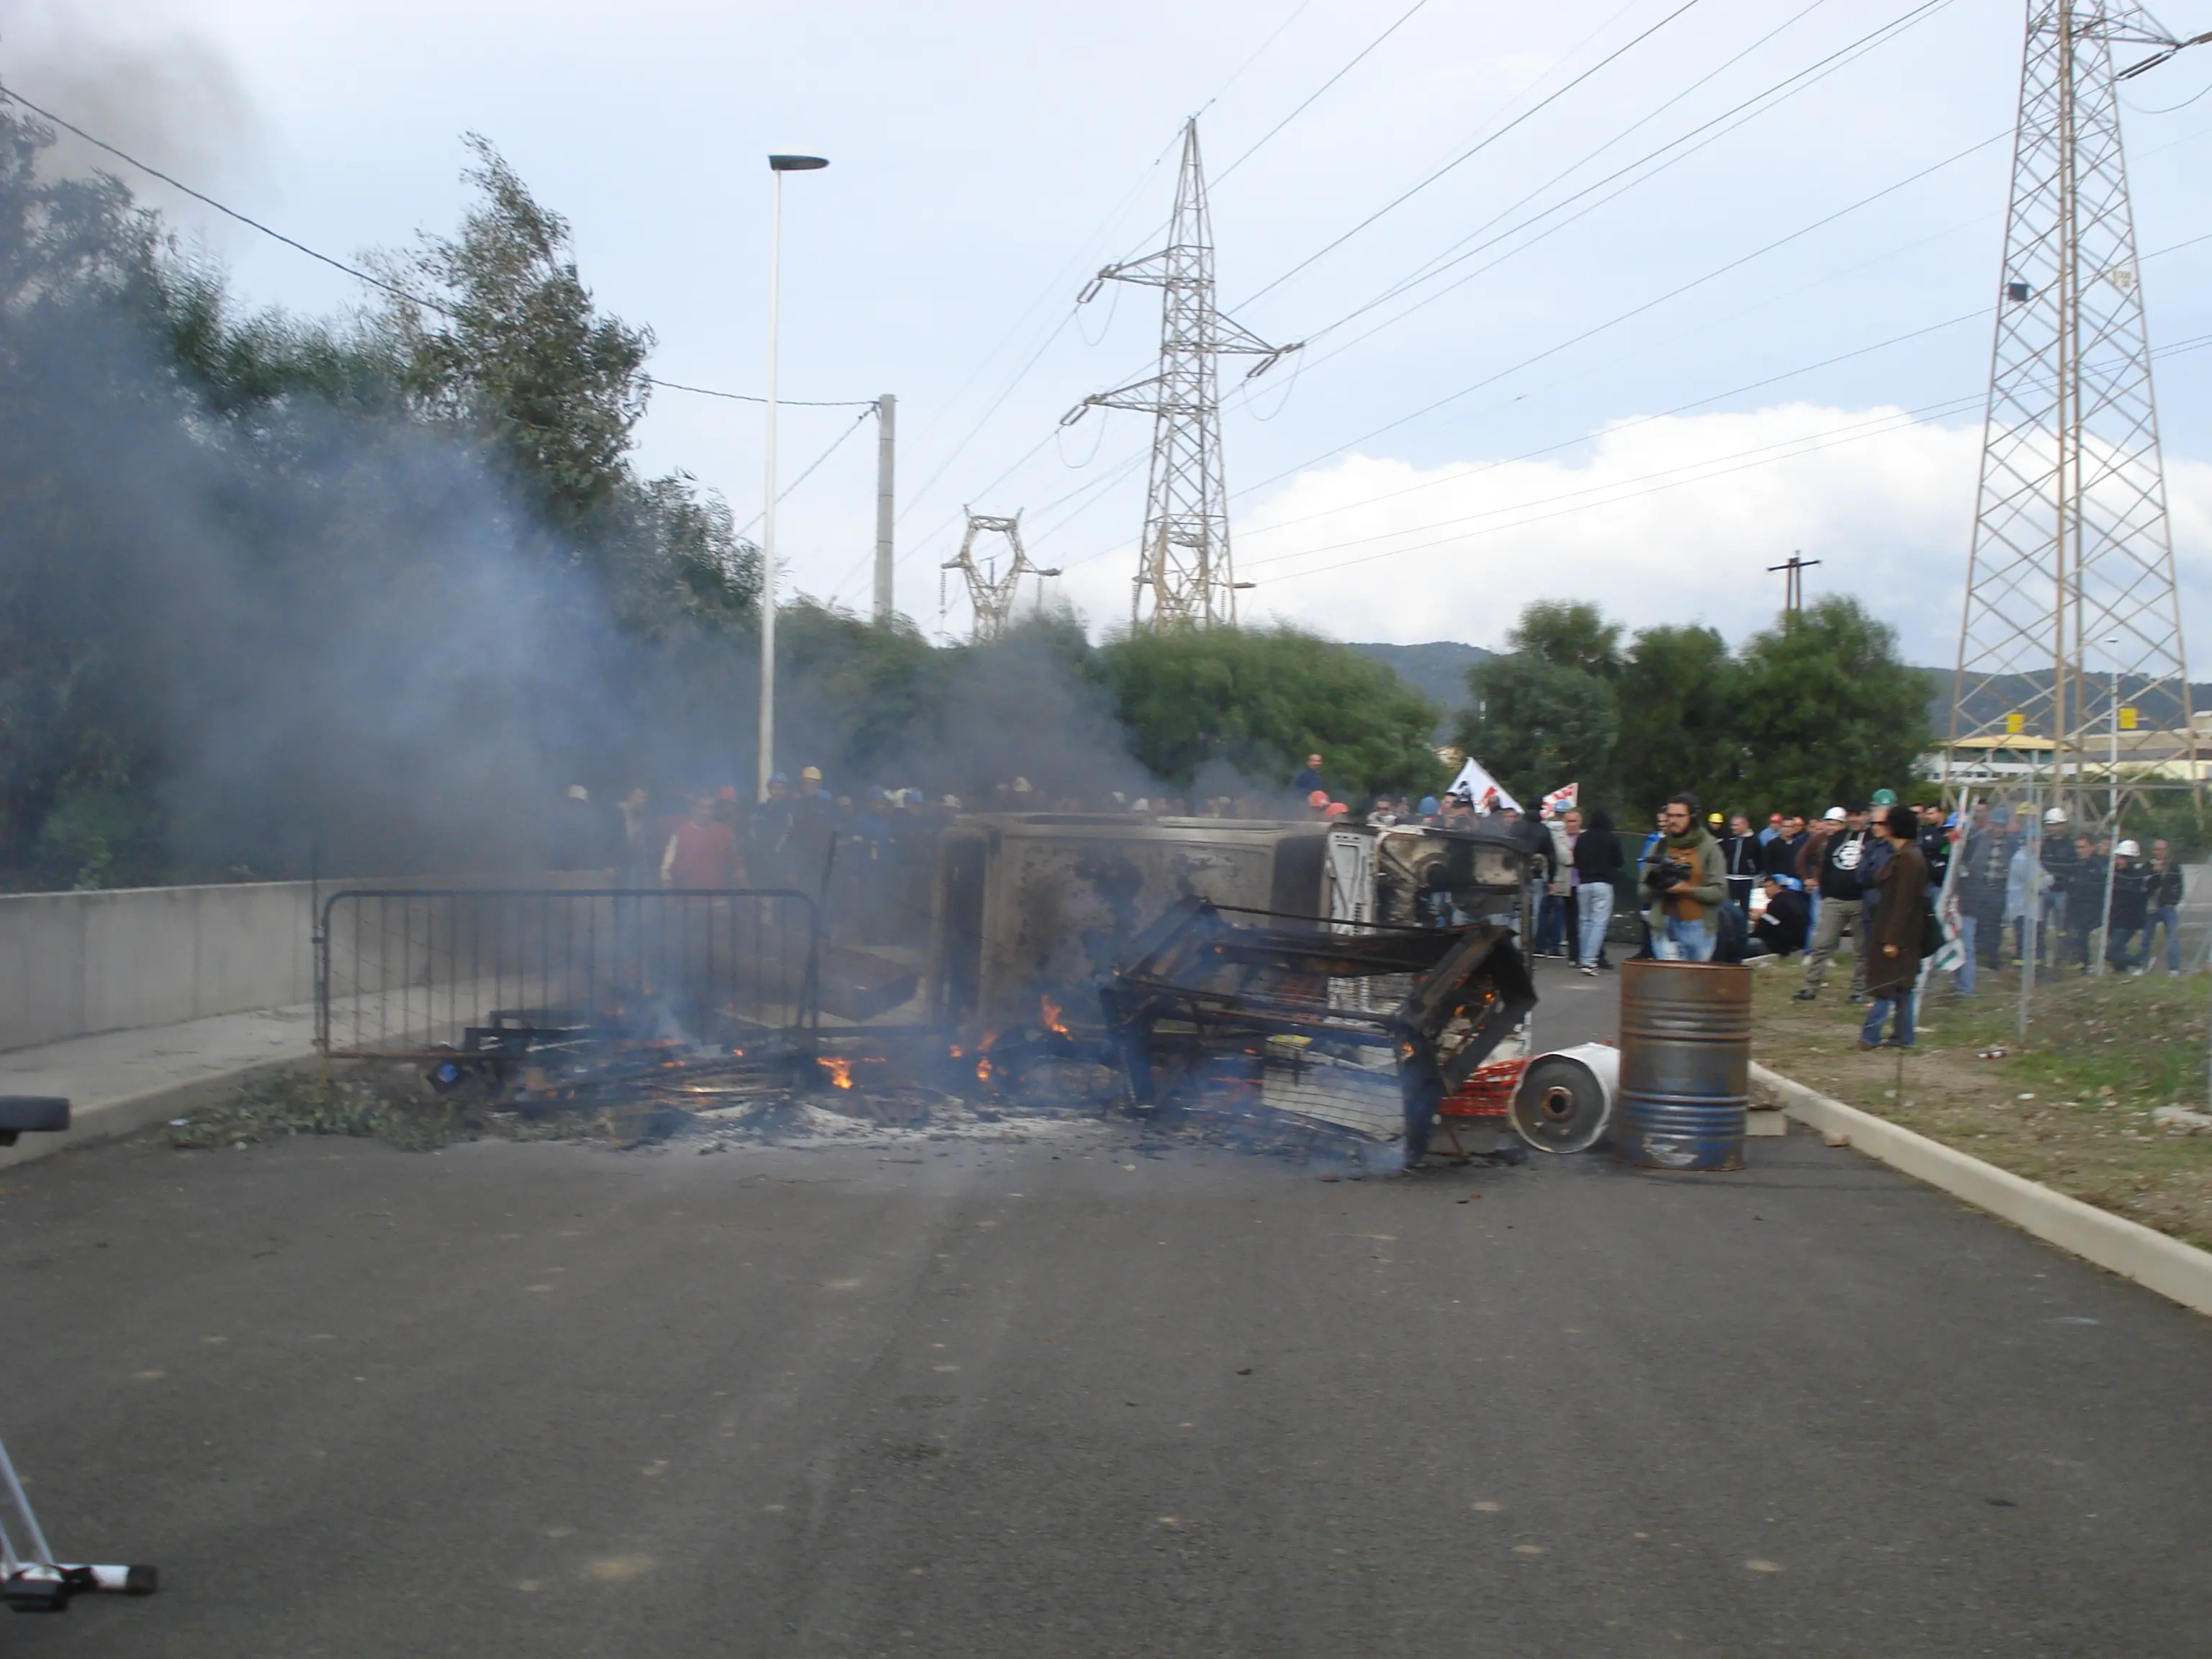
x,y
778,166
2112,852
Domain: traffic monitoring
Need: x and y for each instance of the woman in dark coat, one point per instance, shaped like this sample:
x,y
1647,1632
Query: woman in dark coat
x,y
1892,945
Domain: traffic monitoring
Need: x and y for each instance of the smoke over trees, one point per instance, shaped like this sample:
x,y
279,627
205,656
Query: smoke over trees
x,y
375,589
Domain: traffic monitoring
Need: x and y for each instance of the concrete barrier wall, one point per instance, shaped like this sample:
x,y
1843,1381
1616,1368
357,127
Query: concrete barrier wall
x,y
75,964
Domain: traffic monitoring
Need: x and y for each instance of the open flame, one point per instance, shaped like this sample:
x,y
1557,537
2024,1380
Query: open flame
x,y
839,1070
1049,1014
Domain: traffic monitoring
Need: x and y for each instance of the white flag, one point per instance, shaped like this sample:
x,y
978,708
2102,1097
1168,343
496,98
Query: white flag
x,y
1475,785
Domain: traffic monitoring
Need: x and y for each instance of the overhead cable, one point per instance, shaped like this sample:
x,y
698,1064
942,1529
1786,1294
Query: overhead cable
x,y
398,291
1465,157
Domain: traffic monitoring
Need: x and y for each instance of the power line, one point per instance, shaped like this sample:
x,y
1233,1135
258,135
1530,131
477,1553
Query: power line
x,y
1817,70
1834,438
750,398
1632,311
353,271
384,284
1467,155
1978,315
837,443
1749,110
1307,102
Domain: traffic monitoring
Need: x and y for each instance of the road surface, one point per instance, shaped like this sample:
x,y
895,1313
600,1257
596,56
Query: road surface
x,y
1078,1396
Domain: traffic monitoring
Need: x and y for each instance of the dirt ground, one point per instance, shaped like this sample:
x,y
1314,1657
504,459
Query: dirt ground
x,y
2070,1106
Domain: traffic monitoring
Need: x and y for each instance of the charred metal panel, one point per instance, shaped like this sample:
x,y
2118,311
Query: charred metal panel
x,y
1039,904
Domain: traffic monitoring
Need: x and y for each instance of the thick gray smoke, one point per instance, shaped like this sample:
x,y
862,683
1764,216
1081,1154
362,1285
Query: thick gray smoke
x,y
240,636
144,83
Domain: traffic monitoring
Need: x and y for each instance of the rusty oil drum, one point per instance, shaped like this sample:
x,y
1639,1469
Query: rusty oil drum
x,y
1684,1065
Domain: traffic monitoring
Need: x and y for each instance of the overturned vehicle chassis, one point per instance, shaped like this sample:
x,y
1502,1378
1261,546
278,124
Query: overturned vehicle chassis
x,y
1363,1028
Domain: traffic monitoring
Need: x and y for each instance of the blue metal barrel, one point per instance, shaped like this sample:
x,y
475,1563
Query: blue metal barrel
x,y
1684,1065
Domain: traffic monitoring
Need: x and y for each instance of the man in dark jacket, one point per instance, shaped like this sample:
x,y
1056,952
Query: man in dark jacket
x,y
2130,907
1741,859
2162,882
2061,879
1597,866
1984,854
2085,899
1781,928
1893,944
1840,912
1779,856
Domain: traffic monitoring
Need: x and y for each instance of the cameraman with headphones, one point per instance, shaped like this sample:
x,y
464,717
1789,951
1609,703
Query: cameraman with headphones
x,y
1686,882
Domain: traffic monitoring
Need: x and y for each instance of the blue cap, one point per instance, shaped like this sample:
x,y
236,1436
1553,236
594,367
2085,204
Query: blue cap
x,y
1428,807
779,777
876,793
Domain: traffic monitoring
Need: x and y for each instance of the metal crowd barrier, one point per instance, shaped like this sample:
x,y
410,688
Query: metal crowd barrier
x,y
417,974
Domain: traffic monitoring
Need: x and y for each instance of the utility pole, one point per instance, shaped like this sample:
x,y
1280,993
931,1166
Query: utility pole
x,y
886,449
778,166
1794,587
990,595
2071,540
1185,577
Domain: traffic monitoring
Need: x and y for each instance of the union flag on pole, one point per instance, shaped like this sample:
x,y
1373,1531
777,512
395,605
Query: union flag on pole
x,y
1562,799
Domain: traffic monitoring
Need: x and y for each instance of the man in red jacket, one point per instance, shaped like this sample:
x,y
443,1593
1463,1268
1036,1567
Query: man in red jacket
x,y
702,851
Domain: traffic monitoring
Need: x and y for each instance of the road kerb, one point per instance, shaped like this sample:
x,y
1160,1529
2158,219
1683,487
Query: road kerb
x,y
2175,1270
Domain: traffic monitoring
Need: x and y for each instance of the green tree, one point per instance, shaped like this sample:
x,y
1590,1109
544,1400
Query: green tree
x,y
513,353
1261,699
1538,724
1680,718
1825,710
1568,634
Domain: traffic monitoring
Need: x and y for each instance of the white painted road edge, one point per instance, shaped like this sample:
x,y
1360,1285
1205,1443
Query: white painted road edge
x,y
2174,1269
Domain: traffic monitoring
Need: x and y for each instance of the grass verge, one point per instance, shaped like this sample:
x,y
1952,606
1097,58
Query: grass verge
x,y
383,1105
2069,1106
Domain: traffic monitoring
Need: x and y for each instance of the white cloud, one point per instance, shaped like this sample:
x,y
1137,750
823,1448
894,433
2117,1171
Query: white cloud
x,y
1669,520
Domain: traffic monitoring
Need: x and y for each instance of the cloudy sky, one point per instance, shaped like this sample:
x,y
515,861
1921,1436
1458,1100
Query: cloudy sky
x,y
1641,389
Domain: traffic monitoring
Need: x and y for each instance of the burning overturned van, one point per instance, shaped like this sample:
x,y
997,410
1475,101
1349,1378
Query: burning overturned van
x,y
1040,905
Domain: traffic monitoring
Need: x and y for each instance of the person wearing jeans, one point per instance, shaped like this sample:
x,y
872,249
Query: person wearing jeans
x,y
1686,883
2162,882
1597,862
1894,941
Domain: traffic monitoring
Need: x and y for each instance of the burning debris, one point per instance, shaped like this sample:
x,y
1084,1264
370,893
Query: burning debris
x,y
1369,1028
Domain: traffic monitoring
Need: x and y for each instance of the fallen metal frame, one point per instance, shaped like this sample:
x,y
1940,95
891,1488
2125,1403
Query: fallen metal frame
x,y
1198,1000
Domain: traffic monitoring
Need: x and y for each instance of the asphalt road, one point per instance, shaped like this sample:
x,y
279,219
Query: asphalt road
x,y
1076,1397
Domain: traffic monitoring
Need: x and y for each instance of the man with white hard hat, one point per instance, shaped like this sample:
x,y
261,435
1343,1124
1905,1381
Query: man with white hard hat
x,y
2131,908
2061,867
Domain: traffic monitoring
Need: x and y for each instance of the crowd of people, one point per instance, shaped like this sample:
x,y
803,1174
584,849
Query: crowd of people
x,y
1882,874
1703,888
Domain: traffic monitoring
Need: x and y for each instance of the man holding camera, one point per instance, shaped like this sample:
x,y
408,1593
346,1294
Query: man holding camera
x,y
1685,885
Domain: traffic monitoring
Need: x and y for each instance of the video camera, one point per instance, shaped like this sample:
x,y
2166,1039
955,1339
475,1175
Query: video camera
x,y
1663,874
31,1580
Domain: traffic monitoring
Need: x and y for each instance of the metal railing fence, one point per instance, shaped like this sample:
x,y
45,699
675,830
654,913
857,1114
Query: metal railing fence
x,y
418,973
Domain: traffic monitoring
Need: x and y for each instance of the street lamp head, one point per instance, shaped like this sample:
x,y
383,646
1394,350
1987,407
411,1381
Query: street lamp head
x,y
796,163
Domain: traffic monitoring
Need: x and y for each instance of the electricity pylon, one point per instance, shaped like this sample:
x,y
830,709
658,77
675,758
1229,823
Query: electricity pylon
x,y
989,594
2071,602
1185,577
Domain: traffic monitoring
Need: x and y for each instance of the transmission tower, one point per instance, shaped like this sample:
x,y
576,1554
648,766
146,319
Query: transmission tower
x,y
1185,577
989,594
2071,602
